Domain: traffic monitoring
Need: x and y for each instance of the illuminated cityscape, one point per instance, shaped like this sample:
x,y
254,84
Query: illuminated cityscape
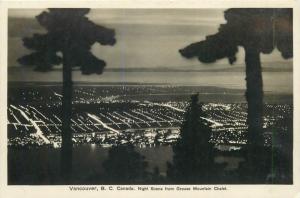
x,y
107,115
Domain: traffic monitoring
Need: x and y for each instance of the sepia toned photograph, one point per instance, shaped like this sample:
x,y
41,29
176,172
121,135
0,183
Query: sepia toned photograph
x,y
122,96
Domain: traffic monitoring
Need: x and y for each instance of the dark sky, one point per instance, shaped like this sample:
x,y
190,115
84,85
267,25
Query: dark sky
x,y
146,38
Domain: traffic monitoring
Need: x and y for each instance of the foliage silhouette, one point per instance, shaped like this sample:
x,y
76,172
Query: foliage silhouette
x,y
257,31
282,156
156,177
193,159
125,166
72,34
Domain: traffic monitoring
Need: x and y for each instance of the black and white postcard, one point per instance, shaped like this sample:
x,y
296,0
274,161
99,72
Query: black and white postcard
x,y
136,99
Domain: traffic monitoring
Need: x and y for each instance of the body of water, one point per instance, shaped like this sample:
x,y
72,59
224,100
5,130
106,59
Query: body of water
x,y
42,165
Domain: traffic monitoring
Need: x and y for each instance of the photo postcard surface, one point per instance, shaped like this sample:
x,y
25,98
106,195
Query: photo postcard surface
x,y
146,99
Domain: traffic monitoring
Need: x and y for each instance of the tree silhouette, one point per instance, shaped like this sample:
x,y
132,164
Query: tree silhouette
x,y
72,34
282,151
125,166
193,159
257,31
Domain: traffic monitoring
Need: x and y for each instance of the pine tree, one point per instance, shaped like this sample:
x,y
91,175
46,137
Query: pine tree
x,y
193,160
72,34
257,30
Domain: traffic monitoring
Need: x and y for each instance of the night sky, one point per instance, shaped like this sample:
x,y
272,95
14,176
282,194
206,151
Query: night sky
x,y
146,38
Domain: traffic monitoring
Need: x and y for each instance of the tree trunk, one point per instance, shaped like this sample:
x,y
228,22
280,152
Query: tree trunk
x,y
254,97
66,149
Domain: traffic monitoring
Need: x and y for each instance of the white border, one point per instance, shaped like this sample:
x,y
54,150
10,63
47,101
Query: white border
x,y
245,191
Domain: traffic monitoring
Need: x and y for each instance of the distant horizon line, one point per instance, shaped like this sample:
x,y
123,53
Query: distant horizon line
x,y
87,83
192,68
